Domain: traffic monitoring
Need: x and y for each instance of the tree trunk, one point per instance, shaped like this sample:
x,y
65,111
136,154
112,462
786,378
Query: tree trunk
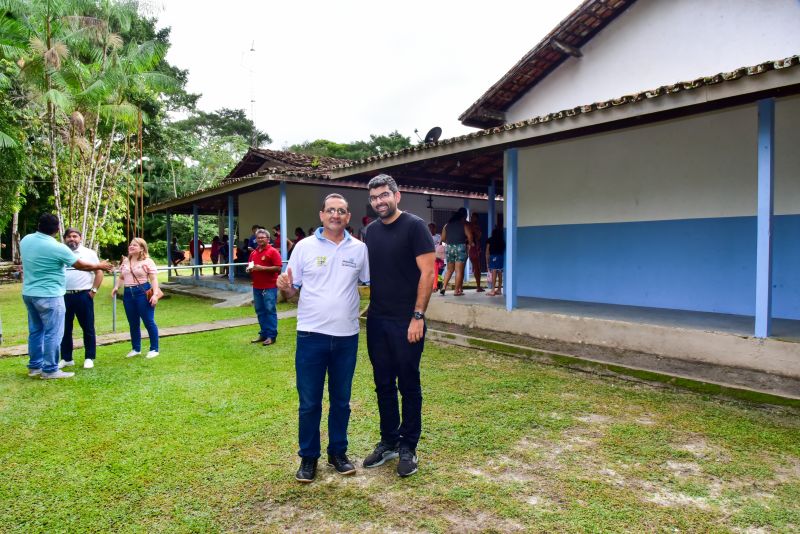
x,y
91,178
54,168
51,122
15,238
102,185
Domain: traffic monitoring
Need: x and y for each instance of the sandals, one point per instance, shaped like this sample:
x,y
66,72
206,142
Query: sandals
x,y
458,294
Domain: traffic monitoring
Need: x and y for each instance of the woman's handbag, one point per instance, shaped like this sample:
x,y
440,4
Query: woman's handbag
x,y
148,292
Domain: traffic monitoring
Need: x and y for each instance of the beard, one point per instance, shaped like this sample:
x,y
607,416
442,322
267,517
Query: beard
x,y
390,211
73,245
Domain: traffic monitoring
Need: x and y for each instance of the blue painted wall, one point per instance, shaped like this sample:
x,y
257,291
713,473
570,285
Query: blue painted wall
x,y
693,264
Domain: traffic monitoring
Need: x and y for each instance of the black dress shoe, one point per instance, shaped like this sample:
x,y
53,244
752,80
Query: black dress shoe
x,y
342,465
259,340
307,471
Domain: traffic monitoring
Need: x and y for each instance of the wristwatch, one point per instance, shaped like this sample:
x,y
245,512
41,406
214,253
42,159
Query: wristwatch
x,y
419,315
93,290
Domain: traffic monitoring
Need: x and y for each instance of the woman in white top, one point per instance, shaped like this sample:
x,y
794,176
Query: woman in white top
x,y
138,275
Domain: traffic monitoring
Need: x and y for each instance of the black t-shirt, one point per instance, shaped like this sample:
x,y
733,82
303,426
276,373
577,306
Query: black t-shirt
x,y
497,243
394,275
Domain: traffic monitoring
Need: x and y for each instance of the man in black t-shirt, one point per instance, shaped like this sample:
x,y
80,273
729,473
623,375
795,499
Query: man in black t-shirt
x,y
402,269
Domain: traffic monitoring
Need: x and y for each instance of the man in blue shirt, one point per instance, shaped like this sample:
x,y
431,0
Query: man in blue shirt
x,y
44,283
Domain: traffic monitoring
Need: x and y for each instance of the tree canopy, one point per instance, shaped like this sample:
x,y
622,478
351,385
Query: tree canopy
x,y
356,150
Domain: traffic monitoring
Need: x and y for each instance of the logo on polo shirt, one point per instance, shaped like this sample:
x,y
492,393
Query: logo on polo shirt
x,y
350,262
322,260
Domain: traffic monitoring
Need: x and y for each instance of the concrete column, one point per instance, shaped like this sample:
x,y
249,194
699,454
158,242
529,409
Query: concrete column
x,y
511,175
492,193
169,246
230,239
284,244
766,193
196,251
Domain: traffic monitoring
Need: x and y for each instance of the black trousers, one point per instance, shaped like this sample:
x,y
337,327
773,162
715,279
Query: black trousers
x,y
395,366
79,305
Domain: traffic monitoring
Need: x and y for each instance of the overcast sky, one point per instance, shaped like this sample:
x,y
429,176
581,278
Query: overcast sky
x,y
344,69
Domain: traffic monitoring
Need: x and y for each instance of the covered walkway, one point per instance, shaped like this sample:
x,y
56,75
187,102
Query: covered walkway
x,y
715,339
740,325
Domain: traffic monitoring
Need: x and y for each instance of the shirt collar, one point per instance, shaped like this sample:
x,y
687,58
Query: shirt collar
x,y
318,234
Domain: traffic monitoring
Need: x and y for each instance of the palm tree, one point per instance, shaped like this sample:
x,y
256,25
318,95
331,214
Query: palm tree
x,y
86,81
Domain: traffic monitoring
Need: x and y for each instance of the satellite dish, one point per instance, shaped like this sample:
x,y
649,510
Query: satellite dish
x,y
433,135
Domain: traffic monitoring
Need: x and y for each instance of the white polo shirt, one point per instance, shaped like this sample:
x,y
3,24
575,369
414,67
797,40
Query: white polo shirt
x,y
79,280
328,274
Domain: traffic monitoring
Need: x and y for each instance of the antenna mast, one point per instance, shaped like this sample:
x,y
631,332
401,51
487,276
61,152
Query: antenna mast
x,y
254,141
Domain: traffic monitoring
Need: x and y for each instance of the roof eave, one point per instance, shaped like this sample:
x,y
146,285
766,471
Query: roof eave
x,y
622,109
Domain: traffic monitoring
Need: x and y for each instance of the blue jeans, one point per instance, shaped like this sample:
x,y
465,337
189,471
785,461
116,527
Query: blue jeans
x,y
80,306
137,308
395,366
318,354
265,301
45,330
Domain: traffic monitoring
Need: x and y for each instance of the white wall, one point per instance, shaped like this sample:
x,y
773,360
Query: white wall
x,y
659,42
698,167
303,203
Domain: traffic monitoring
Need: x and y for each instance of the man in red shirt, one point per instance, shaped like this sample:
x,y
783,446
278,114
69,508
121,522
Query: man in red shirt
x,y
264,268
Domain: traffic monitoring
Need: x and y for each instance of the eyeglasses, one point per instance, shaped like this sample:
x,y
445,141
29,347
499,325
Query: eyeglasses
x,y
335,211
383,196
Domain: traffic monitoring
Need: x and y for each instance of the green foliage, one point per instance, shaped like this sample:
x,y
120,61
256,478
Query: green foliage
x,y
224,123
357,150
157,248
182,228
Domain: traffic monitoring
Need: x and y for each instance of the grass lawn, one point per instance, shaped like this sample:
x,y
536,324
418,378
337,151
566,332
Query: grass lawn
x,y
173,310
203,438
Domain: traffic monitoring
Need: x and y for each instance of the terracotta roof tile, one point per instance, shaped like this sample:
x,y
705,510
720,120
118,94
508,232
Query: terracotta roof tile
x,y
322,173
658,92
576,30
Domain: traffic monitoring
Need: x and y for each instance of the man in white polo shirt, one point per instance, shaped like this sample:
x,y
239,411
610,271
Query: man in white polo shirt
x,y
82,287
328,266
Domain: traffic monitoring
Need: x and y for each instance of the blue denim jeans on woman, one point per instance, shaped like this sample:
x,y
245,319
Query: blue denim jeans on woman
x,y
45,330
137,308
265,303
318,354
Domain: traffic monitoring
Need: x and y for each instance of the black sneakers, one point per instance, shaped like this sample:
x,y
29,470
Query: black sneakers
x,y
407,465
307,471
383,451
342,465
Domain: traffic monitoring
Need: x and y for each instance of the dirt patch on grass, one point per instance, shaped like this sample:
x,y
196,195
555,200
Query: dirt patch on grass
x,y
669,498
480,522
684,469
594,419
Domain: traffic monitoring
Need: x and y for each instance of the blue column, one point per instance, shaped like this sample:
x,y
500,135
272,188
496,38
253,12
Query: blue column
x,y
169,246
230,238
510,171
490,212
196,251
467,266
766,193
284,237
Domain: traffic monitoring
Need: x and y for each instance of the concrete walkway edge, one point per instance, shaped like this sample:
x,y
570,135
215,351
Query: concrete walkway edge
x,y
118,337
